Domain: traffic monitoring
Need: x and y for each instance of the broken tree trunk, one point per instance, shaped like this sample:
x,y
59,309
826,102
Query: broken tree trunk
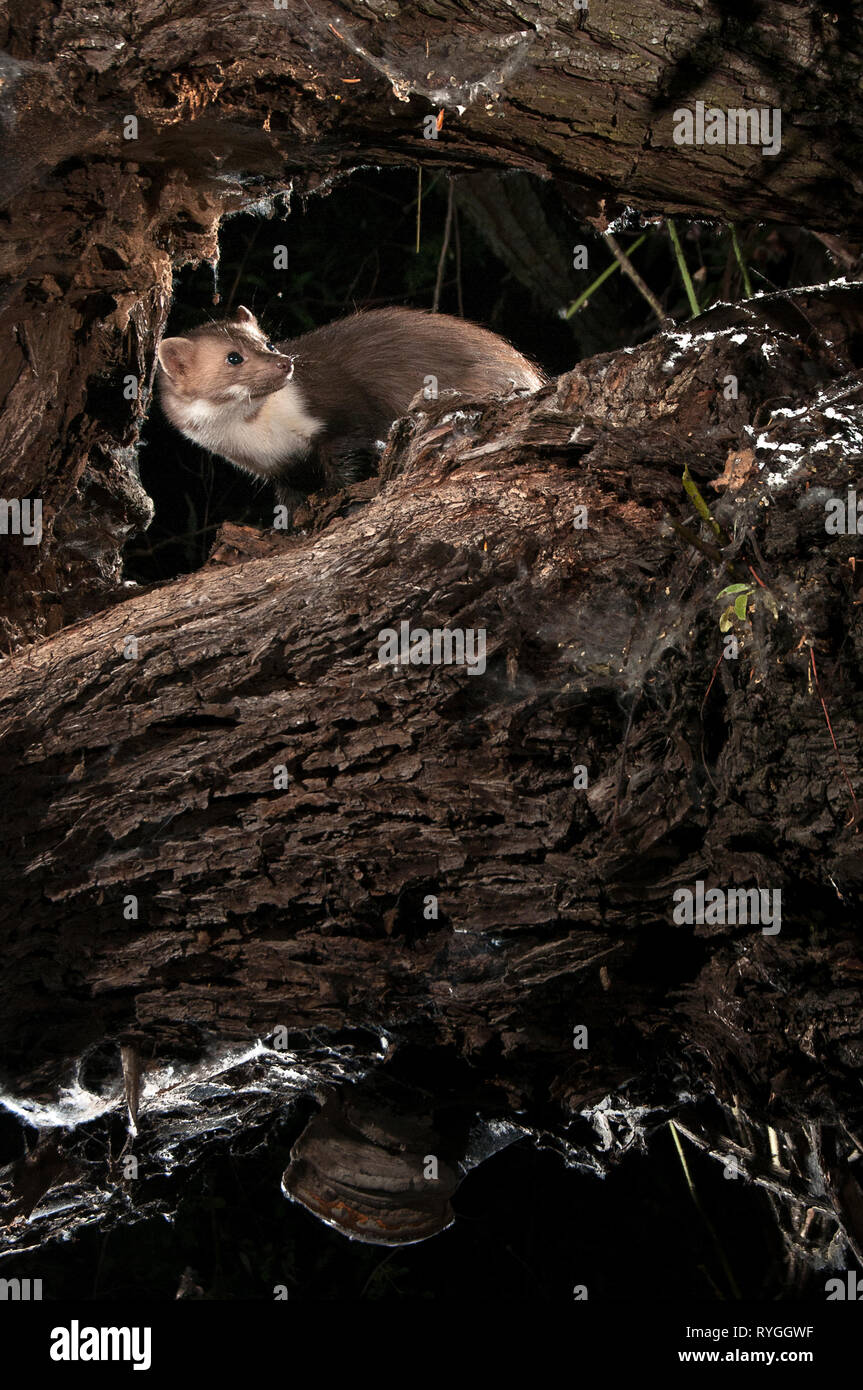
x,y
128,132
233,814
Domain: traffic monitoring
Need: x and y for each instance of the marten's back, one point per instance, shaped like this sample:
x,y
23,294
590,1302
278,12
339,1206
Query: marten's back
x,y
364,371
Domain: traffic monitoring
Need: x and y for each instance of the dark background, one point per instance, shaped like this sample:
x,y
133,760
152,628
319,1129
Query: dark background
x,y
527,1227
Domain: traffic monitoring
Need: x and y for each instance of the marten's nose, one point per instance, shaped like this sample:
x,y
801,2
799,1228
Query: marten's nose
x,y
285,363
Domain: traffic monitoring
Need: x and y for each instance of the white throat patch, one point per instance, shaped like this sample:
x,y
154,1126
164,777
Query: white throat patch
x,y
259,436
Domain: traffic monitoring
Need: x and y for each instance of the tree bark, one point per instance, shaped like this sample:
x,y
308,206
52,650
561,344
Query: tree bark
x,y
430,895
433,872
232,108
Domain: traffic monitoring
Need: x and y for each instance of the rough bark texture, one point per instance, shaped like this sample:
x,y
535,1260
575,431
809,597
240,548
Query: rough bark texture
x,y
304,906
235,103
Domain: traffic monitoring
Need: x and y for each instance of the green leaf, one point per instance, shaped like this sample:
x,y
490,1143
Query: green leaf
x,y
740,605
734,589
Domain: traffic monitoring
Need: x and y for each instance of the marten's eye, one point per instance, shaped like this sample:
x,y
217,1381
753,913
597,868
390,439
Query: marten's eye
x,y
234,358
271,347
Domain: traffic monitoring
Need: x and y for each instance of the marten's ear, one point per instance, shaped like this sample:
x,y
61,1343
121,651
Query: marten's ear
x,y
175,355
244,315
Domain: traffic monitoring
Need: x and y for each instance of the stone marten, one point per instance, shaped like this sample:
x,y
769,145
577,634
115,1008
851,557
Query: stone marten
x,y
311,413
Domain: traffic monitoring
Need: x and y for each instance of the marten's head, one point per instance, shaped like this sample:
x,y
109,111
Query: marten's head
x,y
225,362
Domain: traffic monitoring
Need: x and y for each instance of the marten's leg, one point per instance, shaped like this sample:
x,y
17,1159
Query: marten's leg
x,y
347,459
290,498
330,465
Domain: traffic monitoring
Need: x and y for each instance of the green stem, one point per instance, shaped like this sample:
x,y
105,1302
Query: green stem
x,y
682,267
711,1230
691,489
747,283
600,279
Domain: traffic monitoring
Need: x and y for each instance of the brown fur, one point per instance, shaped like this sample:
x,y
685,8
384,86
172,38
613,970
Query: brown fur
x,y
364,371
311,413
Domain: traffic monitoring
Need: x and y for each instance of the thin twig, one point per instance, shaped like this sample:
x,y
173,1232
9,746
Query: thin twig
x,y
782,1184
460,301
712,679
241,267
833,737
600,280
629,269
717,1244
711,551
443,251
